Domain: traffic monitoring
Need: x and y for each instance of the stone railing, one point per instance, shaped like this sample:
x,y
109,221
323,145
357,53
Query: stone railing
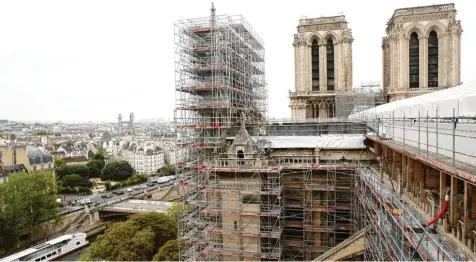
x,y
307,93
415,90
237,163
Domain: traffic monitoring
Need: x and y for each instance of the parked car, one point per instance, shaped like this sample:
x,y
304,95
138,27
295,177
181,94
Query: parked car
x,y
129,189
118,192
143,187
106,196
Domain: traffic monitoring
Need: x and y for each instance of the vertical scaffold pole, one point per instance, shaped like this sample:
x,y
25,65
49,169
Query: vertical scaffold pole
x,y
404,123
393,125
436,134
454,138
427,134
419,116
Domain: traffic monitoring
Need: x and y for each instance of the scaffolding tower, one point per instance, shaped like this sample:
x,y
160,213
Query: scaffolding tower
x,y
318,211
234,210
367,96
395,231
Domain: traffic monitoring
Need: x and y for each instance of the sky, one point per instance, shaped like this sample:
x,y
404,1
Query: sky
x,y
90,60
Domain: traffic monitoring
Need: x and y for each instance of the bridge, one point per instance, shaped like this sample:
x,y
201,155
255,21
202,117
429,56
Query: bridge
x,y
138,206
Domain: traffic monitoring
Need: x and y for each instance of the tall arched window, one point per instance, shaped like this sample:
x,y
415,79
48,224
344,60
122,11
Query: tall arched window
x,y
330,65
433,59
315,65
414,62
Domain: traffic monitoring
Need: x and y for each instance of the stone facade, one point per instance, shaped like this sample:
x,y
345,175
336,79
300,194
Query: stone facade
x,y
414,68
317,43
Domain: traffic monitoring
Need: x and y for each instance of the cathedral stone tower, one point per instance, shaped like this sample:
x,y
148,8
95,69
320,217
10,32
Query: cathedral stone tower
x,y
323,66
421,52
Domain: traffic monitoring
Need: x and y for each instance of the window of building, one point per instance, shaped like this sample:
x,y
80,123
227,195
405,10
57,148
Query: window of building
x,y
330,65
433,59
414,62
315,65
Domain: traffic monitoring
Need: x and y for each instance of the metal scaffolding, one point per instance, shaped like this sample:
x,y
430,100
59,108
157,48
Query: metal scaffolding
x,y
348,103
396,232
234,204
317,203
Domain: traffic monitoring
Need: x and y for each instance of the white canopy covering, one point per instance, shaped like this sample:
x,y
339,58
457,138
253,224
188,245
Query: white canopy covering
x,y
461,98
324,141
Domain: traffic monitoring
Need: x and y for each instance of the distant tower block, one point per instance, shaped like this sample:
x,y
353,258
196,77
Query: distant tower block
x,y
131,117
119,118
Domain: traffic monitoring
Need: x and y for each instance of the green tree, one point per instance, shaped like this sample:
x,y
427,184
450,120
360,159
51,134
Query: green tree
x,y
136,239
161,224
117,171
95,166
64,170
75,180
176,211
167,170
26,200
99,156
59,162
123,241
169,251
43,133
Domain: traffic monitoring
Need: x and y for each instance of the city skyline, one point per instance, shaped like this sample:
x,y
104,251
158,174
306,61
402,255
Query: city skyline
x,y
70,62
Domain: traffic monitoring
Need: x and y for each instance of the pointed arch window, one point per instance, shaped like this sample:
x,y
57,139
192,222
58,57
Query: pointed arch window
x,y
433,59
315,65
330,65
414,62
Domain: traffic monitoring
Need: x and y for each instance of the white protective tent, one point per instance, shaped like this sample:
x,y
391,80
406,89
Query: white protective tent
x,y
461,98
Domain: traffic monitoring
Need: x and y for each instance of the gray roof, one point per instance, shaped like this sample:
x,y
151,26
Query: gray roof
x,y
329,141
38,155
15,168
243,138
106,137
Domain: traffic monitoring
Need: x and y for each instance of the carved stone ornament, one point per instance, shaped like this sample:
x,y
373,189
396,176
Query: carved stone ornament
x,y
347,36
454,27
324,27
298,41
422,17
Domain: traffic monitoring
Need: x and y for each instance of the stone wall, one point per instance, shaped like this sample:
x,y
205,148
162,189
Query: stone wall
x,y
395,49
309,103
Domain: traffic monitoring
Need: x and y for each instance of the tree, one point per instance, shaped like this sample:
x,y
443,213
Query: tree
x,y
169,251
59,162
176,211
75,180
136,239
95,166
26,200
43,133
161,224
117,171
64,170
167,170
123,241
99,156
